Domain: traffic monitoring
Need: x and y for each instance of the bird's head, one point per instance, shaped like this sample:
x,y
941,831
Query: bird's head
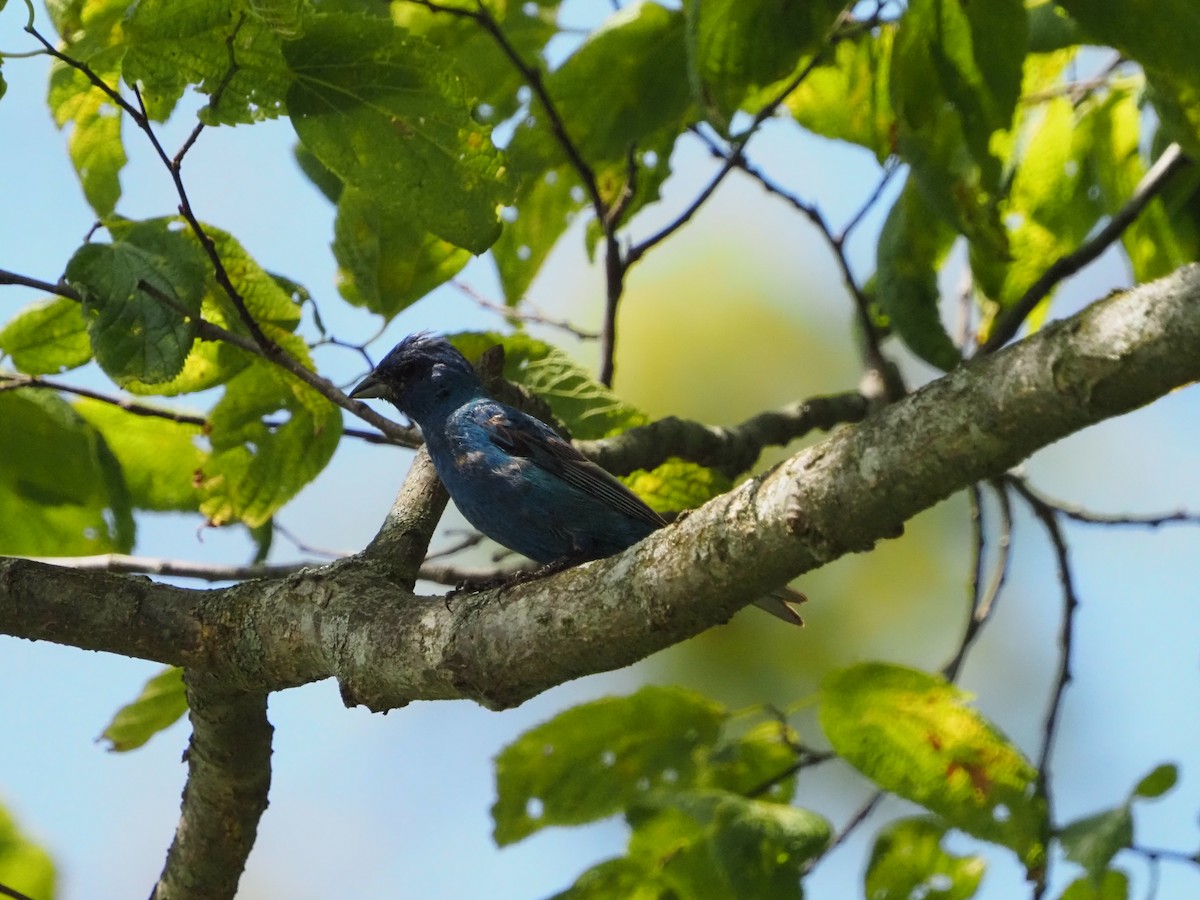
x,y
420,376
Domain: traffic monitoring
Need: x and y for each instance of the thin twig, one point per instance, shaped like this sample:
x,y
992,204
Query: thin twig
x,y
837,244
1048,516
529,314
1087,517
1152,183
983,600
639,250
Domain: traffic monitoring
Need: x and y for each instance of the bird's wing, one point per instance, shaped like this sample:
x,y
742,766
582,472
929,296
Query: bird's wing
x,y
523,436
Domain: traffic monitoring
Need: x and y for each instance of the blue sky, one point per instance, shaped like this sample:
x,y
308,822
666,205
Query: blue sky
x,y
397,805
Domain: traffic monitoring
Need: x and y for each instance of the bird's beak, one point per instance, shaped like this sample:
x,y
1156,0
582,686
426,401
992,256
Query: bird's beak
x,y
371,386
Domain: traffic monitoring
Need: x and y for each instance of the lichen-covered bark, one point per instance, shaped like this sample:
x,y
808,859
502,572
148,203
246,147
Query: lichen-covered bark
x,y
356,620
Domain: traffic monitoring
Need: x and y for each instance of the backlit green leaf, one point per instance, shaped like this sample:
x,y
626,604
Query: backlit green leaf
x,y
386,260
1093,841
61,490
593,760
214,45
271,434
625,86
955,80
911,248
764,755
914,735
1114,885
160,705
159,458
388,115
734,45
1157,782
47,337
541,212
24,866
742,847
1163,42
94,141
848,98
908,861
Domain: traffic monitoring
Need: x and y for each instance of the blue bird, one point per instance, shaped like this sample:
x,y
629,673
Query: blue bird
x,y
512,476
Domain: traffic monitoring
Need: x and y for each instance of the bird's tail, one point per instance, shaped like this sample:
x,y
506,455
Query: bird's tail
x,y
779,603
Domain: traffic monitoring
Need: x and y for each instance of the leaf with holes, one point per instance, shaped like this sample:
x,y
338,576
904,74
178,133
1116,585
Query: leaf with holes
x,y
914,735
596,759
388,114
141,297
386,260
908,860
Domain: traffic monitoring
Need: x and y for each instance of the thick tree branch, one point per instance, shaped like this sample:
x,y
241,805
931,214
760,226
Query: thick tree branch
x,y
732,451
229,774
500,647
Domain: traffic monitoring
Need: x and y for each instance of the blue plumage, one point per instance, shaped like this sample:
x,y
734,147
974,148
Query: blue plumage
x,y
511,475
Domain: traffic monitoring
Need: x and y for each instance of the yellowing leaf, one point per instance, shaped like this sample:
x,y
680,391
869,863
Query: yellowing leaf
x,y
913,734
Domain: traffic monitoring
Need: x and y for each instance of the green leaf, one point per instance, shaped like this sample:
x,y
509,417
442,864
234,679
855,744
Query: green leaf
x,y
625,86
622,877
215,45
386,260
752,848
848,98
595,759
46,337
143,295
24,866
955,81
544,206
1113,886
159,706
1164,45
1048,204
256,467
1114,132
276,310
488,72
1093,841
388,115
677,484
908,860
1162,779
160,458
1050,28
912,245
94,142
759,757
913,734
61,491
735,45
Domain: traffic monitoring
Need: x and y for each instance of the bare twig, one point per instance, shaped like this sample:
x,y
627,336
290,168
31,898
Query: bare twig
x,y
528,314
1152,183
837,243
1048,516
983,600
1087,517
